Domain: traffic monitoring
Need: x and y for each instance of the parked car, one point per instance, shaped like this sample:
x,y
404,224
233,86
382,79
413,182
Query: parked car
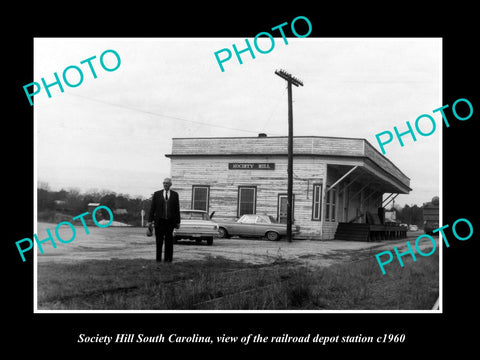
x,y
196,225
413,228
252,225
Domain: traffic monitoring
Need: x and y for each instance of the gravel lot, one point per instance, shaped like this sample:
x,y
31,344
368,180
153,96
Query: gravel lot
x,y
130,243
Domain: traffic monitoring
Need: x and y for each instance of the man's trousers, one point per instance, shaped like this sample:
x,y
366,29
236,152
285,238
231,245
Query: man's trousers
x,y
164,233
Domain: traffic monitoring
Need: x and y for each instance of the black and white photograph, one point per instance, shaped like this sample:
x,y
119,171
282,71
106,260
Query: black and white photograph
x,y
241,180
154,110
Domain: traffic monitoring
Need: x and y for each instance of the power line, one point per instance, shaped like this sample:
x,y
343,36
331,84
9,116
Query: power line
x,y
275,107
164,116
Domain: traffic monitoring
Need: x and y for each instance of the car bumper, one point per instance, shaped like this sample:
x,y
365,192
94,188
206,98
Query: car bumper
x,y
195,234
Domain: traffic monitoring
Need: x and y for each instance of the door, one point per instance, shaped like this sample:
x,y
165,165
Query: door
x,y
282,208
346,203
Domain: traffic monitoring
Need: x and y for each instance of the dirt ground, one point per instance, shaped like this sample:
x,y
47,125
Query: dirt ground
x,y
132,243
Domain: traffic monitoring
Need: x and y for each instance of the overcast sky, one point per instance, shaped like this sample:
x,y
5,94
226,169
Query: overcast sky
x,y
113,132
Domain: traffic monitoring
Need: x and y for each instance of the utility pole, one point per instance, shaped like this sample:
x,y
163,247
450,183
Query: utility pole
x,y
290,80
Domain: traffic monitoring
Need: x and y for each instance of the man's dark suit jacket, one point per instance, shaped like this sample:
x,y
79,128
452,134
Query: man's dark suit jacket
x,y
157,209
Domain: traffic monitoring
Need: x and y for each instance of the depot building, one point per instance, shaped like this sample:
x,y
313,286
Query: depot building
x,y
338,183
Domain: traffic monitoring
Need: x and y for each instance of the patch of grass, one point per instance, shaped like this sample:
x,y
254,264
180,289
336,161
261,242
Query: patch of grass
x,y
361,285
128,284
218,283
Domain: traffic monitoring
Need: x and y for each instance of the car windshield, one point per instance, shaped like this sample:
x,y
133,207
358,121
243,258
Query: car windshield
x,y
193,215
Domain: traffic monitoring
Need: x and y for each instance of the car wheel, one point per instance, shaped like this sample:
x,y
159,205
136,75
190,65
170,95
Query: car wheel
x,y
222,233
272,236
210,241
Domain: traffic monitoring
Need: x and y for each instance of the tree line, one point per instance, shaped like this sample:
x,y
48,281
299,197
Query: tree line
x,y
72,202
411,215
63,204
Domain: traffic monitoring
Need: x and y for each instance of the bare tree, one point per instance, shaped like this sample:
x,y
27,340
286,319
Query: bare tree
x,y
43,185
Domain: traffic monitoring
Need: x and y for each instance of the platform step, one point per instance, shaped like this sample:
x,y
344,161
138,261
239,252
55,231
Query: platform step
x,y
352,232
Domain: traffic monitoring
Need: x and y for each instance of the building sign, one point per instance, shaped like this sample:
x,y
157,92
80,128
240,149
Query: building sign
x,y
251,166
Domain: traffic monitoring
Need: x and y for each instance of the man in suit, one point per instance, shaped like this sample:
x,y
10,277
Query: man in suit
x,y
165,213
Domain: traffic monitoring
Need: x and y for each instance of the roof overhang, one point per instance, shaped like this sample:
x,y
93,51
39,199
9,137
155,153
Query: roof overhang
x,y
373,175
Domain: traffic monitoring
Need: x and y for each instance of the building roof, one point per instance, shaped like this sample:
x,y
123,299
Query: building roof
x,y
319,146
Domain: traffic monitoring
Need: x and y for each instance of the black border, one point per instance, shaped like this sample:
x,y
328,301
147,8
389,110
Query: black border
x,y
427,334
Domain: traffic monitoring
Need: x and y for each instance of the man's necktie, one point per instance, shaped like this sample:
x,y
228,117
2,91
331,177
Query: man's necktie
x,y
166,204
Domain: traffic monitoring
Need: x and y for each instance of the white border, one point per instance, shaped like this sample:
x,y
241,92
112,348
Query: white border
x,y
438,311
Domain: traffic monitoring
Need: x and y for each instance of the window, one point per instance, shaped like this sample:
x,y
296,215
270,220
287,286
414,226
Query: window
x,y
317,202
330,206
247,200
200,197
